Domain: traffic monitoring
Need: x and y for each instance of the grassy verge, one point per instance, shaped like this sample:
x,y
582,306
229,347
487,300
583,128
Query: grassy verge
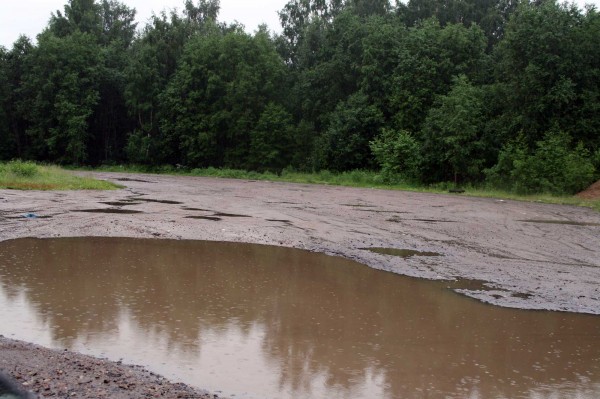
x,y
357,178
18,175
543,198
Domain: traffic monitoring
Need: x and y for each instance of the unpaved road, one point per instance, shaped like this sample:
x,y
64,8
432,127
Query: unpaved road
x,y
531,256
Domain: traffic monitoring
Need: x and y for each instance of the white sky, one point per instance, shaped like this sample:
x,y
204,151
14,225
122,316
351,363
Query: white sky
x,y
29,17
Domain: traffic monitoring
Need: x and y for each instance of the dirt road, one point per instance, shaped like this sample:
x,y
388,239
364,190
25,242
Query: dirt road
x,y
537,256
514,254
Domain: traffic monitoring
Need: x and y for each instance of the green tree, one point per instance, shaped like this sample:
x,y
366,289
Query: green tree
x,y
271,140
345,144
429,59
330,63
110,121
215,99
64,82
549,68
16,102
152,62
490,15
297,15
118,23
367,8
205,11
111,25
78,16
452,132
7,149
381,48
398,154
555,166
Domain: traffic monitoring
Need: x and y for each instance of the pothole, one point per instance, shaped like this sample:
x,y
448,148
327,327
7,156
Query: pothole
x,y
564,222
29,216
400,220
213,218
198,310
121,203
404,253
159,201
108,210
134,180
230,215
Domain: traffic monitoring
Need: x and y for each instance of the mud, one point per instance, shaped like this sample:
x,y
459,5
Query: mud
x,y
403,253
170,202
179,307
567,222
109,210
592,192
558,265
121,203
213,218
230,215
544,266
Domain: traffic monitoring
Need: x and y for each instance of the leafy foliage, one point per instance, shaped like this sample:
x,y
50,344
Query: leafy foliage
x,y
28,175
554,166
21,169
452,134
430,90
398,154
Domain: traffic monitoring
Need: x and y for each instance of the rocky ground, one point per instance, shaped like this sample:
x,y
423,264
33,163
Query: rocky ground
x,y
64,374
528,255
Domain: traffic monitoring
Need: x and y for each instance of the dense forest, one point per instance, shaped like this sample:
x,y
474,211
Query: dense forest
x,y
499,92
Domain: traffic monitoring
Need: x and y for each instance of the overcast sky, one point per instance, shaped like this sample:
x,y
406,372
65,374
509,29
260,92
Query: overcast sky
x,y
29,17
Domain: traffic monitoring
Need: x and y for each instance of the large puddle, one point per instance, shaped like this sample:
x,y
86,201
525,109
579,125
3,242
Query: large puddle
x,y
267,322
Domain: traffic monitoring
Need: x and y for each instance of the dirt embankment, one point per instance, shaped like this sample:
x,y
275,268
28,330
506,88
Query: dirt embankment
x,y
592,192
530,255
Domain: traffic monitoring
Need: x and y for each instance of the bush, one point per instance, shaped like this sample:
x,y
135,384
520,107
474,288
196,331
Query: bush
x,y
596,160
138,148
398,154
553,167
22,169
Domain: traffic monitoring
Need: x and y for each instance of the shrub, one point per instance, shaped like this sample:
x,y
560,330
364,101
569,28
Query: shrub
x,y
553,167
398,154
22,169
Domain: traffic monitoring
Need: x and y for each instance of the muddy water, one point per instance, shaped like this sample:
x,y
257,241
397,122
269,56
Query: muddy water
x,y
266,322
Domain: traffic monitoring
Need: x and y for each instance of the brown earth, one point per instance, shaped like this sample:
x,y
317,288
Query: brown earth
x,y
592,192
532,255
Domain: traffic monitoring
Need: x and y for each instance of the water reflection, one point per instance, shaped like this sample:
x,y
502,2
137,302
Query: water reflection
x,y
270,322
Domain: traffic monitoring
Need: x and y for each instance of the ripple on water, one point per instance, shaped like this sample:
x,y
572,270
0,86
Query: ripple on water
x,y
261,321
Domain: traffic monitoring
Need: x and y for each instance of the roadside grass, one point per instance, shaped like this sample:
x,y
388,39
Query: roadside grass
x,y
19,175
356,178
542,198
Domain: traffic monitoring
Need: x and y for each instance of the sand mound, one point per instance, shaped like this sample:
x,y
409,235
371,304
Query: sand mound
x,y
592,192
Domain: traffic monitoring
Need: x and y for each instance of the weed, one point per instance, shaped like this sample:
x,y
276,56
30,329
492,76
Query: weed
x,y
18,175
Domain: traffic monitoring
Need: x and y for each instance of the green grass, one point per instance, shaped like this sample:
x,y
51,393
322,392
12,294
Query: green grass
x,y
19,175
357,178
542,198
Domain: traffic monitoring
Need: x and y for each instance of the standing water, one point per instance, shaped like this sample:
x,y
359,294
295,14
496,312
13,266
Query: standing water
x,y
267,322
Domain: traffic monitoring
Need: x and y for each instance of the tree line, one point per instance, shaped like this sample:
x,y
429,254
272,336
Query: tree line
x,y
498,91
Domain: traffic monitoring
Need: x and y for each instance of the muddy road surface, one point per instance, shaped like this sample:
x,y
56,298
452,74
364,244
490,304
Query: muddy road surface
x,y
528,255
508,253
